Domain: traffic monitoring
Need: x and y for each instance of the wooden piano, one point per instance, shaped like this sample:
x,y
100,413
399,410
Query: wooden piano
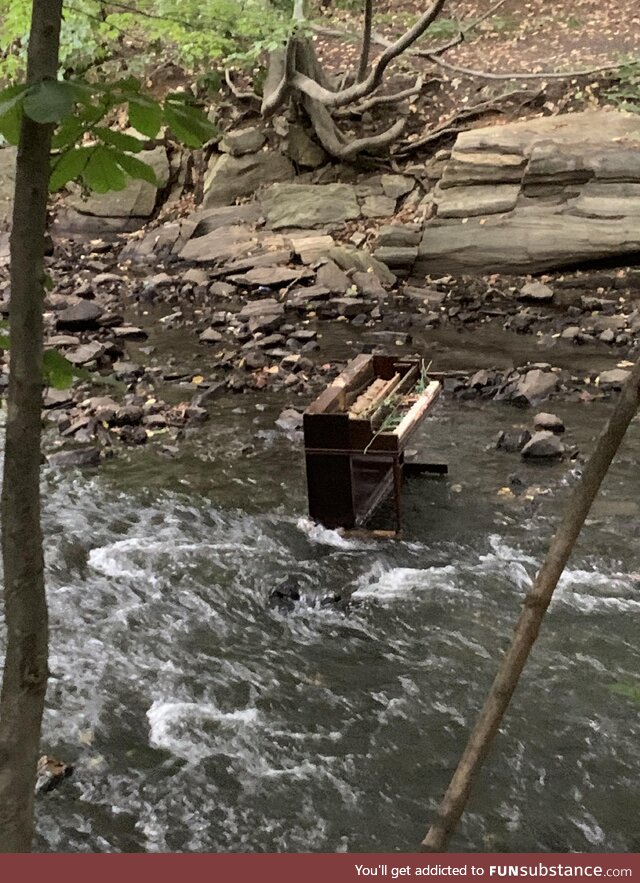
x,y
355,435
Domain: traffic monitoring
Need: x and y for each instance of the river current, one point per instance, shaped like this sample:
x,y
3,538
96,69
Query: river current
x,y
199,717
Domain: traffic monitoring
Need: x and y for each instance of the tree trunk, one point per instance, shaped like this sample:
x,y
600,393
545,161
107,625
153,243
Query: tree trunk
x,y
25,671
528,625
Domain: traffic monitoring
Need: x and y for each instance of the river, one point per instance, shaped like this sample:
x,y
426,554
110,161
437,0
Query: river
x,y
201,718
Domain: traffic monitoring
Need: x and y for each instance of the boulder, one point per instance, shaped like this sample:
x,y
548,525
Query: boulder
x,y
238,142
137,200
548,422
229,177
303,150
513,440
537,194
613,379
332,277
309,205
350,258
534,386
543,446
396,186
81,316
378,207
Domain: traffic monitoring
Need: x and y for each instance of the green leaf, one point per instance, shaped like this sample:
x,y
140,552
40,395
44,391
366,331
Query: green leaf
x,y
57,371
136,168
119,139
69,166
11,101
102,172
69,132
10,124
145,115
4,341
10,97
189,124
50,102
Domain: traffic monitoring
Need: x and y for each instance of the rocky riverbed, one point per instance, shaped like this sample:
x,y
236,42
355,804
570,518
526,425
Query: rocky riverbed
x,y
163,339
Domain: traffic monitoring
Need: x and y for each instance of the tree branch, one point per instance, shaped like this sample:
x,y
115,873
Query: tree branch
x,y
360,90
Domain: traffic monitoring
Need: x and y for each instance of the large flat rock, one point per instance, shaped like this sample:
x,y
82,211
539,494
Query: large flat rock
x,y
536,195
309,205
525,241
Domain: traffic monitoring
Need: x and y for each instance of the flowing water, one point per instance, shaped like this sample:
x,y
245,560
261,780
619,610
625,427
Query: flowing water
x,y
201,718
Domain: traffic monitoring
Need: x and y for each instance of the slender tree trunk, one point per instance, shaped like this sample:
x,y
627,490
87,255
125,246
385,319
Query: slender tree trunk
x,y
25,671
367,28
528,626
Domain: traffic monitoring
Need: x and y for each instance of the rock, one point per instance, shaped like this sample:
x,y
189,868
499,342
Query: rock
x,y
351,306
210,219
536,292
468,202
613,379
310,247
396,258
238,142
222,289
129,332
573,332
330,276
211,336
396,186
543,446
81,316
368,285
290,420
133,435
229,178
309,205
86,353
553,192
285,594
303,150
399,236
50,773
137,200
197,276
78,457
263,307
534,386
350,258
255,359
548,422
204,398
378,207
513,440
128,415
303,298
56,398
270,277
